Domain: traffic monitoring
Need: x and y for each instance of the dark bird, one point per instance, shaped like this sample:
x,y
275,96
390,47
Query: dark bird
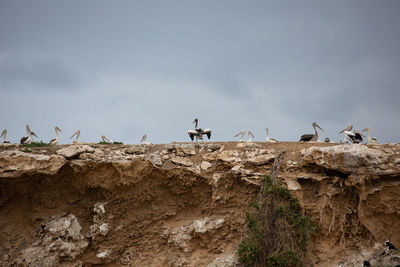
x,y
389,246
311,137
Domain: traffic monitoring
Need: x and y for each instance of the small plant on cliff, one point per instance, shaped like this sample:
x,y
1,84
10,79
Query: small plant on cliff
x,y
36,144
277,232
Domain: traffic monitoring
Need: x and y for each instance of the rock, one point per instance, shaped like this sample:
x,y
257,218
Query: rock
x,y
182,235
185,151
262,159
74,150
225,261
205,165
182,161
104,229
155,159
356,159
210,156
15,163
99,208
136,150
229,156
61,239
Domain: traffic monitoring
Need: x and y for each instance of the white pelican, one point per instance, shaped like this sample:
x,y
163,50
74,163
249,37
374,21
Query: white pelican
x,y
198,132
353,137
311,137
267,139
4,135
241,134
55,140
76,133
143,140
105,139
250,135
29,136
370,140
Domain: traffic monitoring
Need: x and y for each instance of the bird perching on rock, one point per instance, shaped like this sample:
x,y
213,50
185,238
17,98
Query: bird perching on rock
x,y
29,137
4,135
311,137
198,132
76,134
355,137
267,139
241,134
55,140
370,141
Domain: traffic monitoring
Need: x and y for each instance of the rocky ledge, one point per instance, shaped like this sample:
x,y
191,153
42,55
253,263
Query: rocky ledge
x,y
351,191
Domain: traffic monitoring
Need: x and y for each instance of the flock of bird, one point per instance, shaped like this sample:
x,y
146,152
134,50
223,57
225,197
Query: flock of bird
x,y
354,137
350,136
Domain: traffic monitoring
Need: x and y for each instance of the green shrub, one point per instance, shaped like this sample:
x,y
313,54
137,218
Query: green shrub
x,y
36,144
277,231
248,249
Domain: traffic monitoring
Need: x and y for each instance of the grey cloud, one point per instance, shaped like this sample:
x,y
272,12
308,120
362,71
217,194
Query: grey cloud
x,y
37,76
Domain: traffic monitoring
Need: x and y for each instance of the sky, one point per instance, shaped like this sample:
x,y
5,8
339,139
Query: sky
x,y
126,68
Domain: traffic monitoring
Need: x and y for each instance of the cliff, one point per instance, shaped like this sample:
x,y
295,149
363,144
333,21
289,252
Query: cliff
x,y
184,204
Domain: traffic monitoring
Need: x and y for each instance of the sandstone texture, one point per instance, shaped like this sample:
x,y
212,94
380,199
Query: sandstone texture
x,y
184,204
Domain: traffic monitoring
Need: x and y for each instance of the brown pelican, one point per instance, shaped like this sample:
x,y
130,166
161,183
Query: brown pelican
x,y
55,140
29,137
369,139
267,139
76,133
105,139
241,134
198,132
311,137
4,135
250,135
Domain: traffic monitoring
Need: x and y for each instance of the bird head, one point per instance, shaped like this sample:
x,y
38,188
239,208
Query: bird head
x,y
348,128
316,125
57,129
366,129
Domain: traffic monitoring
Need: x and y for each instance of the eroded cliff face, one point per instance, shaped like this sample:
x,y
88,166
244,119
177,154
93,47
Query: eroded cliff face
x,y
185,204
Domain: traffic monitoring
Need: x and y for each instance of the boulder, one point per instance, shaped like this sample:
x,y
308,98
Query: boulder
x,y
15,163
182,161
75,150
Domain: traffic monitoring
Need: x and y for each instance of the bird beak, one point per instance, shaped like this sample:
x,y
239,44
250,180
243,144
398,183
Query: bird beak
x,y
319,127
364,130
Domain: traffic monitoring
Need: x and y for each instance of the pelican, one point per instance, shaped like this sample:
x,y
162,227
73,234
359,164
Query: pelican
x,y
267,139
241,134
4,135
143,138
76,133
353,137
105,139
311,137
29,136
55,140
370,140
198,132
347,133
250,135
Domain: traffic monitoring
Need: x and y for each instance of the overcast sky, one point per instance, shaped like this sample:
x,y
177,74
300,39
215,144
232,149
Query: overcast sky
x,y
125,68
